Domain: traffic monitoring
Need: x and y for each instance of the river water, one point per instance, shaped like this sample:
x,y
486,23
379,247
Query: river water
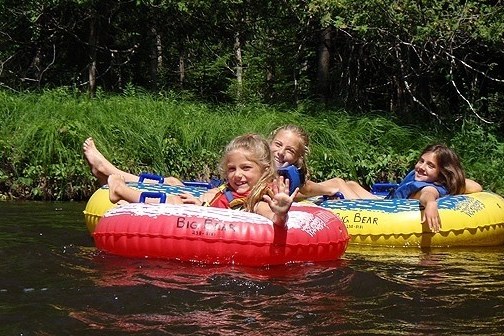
x,y
54,282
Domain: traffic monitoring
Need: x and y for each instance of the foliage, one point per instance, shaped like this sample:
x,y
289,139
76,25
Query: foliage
x,y
367,149
427,60
431,62
482,154
42,134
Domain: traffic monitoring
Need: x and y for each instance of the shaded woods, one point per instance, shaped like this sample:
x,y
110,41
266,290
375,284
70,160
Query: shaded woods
x,y
436,60
373,80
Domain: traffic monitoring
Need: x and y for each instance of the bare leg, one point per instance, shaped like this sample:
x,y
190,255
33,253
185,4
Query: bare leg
x,y
170,180
119,191
358,191
102,168
332,186
325,188
349,189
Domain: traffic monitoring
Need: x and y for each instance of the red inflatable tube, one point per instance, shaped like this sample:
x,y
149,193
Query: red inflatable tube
x,y
220,236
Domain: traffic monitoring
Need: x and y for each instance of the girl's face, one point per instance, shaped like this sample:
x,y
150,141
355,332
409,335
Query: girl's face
x,y
285,148
242,174
427,169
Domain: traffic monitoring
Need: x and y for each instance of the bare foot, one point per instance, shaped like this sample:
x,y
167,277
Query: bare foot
x,y
101,168
116,185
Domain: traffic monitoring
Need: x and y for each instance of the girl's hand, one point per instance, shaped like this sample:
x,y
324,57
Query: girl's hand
x,y
281,201
190,199
209,195
431,216
428,198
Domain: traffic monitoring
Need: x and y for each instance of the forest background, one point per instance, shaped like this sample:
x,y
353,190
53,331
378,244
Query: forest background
x,y
163,85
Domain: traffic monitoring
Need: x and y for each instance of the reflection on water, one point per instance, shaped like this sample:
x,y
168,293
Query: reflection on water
x,y
54,282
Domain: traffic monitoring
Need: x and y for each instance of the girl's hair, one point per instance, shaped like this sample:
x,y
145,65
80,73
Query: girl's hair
x,y
451,174
257,150
304,149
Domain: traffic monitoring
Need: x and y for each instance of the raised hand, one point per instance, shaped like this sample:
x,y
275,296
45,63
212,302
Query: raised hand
x,y
281,201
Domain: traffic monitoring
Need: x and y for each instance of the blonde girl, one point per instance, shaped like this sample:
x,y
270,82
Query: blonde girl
x,y
248,168
290,147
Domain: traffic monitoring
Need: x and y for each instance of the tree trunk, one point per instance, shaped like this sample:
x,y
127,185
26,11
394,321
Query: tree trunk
x,y
181,66
324,63
156,62
239,65
93,40
36,66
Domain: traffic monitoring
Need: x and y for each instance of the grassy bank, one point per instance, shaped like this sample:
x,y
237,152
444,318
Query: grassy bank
x,y
41,138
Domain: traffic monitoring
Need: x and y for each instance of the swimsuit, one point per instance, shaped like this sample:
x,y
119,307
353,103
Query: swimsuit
x,y
409,186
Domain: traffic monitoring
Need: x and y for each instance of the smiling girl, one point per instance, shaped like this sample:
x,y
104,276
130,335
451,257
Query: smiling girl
x,y
437,173
251,184
290,146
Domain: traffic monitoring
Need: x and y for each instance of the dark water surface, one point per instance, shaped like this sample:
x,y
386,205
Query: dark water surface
x,y
54,282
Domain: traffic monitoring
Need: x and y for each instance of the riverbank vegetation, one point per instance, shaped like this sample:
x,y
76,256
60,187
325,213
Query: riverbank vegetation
x,y
41,138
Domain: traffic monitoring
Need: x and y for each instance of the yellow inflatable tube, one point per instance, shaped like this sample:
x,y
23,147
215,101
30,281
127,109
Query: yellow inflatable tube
x,y
99,202
467,220
96,206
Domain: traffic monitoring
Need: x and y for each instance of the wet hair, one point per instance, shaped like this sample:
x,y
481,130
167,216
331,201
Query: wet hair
x,y
451,174
256,149
303,152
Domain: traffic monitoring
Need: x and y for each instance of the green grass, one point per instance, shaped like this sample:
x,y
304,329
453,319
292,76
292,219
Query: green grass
x,y
41,138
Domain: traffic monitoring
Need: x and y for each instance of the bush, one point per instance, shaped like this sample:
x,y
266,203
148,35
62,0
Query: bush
x,y
42,134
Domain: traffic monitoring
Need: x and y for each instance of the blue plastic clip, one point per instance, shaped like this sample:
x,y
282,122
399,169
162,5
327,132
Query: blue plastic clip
x,y
197,184
149,176
152,194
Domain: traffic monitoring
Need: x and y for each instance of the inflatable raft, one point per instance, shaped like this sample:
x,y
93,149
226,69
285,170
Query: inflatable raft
x,y
220,236
467,220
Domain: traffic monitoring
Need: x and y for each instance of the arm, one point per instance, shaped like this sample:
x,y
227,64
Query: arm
x,y
428,198
472,186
